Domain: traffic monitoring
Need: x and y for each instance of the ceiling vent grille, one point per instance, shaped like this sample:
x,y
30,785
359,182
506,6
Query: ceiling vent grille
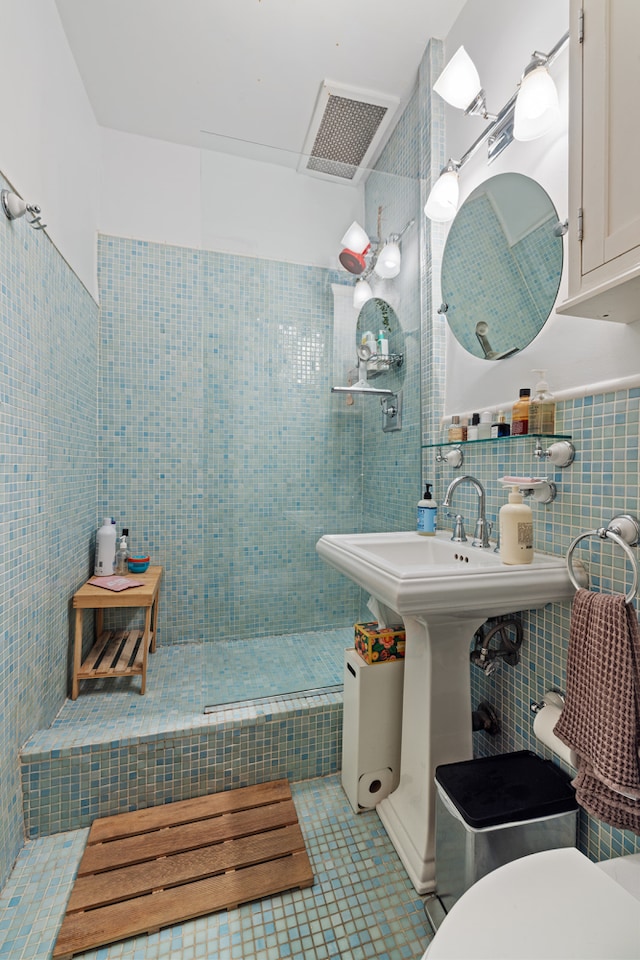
x,y
346,132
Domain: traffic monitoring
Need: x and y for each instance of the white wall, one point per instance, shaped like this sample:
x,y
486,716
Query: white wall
x,y
162,192
268,209
149,189
500,36
88,179
49,144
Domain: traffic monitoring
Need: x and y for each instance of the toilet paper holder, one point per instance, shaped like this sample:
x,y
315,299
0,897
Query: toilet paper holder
x,y
552,698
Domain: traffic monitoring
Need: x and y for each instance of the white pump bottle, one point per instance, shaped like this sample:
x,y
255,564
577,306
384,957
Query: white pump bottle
x,y
516,530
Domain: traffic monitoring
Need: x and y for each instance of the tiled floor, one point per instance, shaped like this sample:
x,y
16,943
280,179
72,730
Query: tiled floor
x,y
361,904
186,677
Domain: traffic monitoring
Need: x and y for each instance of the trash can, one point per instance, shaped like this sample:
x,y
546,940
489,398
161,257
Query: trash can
x,y
494,810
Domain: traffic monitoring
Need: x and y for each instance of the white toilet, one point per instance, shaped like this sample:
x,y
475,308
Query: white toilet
x,y
556,904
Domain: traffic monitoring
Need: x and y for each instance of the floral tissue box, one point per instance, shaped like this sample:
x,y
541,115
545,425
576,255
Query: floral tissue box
x,y
379,644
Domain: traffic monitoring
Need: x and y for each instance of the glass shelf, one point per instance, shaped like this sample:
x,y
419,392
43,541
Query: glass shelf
x,y
512,439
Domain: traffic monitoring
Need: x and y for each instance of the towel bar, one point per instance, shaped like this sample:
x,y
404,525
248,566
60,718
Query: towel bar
x,y
623,530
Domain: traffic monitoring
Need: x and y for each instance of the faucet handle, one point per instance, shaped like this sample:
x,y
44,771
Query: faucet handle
x,y
481,534
459,535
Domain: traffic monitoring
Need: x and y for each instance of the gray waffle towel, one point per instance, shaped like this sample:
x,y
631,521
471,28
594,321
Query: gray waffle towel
x,y
601,716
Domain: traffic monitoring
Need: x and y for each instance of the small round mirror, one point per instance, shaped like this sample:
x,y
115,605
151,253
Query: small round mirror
x,y
377,319
501,266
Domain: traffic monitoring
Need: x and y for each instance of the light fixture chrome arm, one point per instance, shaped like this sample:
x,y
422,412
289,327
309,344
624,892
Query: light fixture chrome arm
x,y
442,201
497,129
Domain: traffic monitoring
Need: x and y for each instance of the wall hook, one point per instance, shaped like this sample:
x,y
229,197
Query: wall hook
x,y
15,207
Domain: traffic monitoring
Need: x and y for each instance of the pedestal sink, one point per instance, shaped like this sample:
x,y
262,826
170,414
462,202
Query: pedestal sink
x,y
443,591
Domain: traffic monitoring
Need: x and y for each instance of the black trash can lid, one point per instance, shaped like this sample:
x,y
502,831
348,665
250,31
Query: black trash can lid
x,y
508,788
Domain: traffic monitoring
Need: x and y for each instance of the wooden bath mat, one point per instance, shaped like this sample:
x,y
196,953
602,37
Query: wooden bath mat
x,y
156,867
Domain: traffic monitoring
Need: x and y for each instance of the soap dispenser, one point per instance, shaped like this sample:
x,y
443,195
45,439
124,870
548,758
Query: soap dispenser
x,y
542,409
516,530
427,513
122,553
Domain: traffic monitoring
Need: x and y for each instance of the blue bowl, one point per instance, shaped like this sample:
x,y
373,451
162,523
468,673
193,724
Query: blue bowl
x,y
138,564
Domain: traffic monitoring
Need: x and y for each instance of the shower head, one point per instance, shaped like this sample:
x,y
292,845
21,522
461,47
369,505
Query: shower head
x,y
353,262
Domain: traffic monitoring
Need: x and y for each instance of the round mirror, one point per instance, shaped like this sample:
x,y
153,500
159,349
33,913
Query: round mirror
x,y
501,266
378,317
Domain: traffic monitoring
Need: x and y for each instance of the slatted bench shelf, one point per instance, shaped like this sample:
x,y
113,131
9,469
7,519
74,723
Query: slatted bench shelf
x,y
116,653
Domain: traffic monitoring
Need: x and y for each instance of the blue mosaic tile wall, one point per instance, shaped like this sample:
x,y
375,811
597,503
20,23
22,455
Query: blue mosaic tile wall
x,y
218,447
602,482
391,481
48,346
67,785
432,136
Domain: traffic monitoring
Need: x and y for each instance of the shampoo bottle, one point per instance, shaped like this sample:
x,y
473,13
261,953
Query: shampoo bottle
x,y
105,549
383,344
456,430
542,409
520,413
472,429
516,530
500,428
484,427
427,513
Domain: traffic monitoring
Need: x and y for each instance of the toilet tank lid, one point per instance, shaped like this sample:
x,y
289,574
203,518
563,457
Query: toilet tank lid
x,y
512,787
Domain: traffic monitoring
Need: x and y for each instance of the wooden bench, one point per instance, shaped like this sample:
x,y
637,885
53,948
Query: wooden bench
x,y
116,653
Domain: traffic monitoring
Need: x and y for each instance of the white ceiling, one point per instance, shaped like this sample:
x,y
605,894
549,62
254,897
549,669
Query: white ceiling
x,y
250,70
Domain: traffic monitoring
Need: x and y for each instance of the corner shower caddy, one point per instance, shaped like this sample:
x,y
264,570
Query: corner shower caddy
x,y
390,400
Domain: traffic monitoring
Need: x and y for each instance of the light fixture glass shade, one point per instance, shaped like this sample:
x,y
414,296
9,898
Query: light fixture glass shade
x,y
442,202
537,109
389,259
362,292
356,238
459,83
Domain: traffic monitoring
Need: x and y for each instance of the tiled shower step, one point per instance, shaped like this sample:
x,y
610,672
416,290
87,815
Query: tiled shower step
x,y
73,773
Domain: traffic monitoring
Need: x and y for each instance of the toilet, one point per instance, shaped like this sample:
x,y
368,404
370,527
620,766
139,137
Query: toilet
x,y
555,904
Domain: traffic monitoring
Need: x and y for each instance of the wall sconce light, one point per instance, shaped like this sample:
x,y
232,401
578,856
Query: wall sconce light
x,y
442,203
459,84
359,257
537,109
362,292
15,207
530,113
389,259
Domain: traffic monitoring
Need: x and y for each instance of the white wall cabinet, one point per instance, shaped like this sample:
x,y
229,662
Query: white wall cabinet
x,y
604,161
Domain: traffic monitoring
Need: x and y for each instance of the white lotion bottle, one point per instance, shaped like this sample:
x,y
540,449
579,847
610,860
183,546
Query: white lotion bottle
x,y
427,514
105,549
516,530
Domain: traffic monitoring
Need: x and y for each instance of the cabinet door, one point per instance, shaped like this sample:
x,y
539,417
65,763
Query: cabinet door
x,y
611,135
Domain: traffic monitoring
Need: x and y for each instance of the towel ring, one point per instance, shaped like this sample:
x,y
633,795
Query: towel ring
x,y
615,533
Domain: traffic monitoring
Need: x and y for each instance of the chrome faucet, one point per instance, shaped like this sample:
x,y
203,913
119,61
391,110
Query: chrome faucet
x,y
483,526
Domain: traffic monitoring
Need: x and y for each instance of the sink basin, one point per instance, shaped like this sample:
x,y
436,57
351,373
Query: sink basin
x,y
413,574
443,591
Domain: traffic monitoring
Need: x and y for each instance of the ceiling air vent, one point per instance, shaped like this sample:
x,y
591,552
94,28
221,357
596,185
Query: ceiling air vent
x,y
346,132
